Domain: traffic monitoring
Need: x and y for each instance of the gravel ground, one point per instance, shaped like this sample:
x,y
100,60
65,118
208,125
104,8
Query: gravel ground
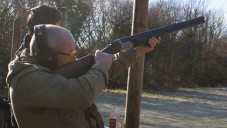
x,y
185,108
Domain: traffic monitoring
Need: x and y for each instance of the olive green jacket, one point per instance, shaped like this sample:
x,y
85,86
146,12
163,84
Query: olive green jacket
x,y
41,99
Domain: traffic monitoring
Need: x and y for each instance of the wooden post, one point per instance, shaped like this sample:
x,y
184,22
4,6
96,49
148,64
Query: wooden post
x,y
64,15
135,74
16,38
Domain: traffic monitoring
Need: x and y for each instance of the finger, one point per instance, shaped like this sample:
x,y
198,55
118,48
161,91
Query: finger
x,y
156,40
153,41
157,37
150,43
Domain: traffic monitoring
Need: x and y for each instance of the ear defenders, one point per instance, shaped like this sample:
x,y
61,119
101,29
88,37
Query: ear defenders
x,y
45,55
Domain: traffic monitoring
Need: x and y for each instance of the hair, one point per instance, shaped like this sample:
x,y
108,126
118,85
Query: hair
x,y
43,14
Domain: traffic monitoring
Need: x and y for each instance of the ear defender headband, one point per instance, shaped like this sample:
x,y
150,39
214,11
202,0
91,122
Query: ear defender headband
x,y
45,55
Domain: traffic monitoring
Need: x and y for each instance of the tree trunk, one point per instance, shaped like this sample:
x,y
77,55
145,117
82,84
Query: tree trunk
x,y
16,39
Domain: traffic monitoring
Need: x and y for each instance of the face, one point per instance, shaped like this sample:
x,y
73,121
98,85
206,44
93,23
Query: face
x,y
66,53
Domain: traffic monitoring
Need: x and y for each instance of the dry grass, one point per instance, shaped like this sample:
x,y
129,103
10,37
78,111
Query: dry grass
x,y
185,108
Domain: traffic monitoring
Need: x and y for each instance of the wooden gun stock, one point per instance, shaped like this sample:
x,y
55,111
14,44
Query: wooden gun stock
x,y
82,65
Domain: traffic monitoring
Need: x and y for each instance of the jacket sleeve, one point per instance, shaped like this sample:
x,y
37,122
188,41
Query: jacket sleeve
x,y
43,89
122,62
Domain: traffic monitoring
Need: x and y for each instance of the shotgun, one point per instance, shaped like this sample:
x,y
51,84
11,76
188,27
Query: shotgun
x,y
82,65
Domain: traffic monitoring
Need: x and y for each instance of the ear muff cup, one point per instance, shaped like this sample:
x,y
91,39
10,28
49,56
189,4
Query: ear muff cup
x,y
45,55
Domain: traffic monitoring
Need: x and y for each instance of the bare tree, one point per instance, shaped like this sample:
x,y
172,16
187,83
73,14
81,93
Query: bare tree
x,y
182,59
6,21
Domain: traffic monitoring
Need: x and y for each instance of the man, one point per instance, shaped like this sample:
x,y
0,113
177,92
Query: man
x,y
41,99
42,14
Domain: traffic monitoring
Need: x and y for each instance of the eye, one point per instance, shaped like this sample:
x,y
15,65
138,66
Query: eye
x,y
70,56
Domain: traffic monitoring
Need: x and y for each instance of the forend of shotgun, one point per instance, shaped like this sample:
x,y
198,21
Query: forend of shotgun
x,y
82,65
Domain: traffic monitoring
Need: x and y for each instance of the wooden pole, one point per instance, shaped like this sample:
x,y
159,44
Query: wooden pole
x,y
16,37
135,77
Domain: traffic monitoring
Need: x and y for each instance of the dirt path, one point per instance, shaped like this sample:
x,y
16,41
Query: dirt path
x,y
186,108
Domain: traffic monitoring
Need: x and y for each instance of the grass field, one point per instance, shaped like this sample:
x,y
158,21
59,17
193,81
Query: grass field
x,y
185,108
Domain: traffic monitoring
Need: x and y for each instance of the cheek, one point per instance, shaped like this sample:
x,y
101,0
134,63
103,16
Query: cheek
x,y
67,61
71,60
62,61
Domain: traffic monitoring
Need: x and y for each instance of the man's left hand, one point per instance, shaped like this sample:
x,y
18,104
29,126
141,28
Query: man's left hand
x,y
152,42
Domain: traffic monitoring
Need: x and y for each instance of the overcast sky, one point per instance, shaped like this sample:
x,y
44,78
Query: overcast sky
x,y
214,4
219,4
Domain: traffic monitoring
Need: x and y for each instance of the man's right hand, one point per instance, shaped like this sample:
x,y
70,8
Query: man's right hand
x,y
104,58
